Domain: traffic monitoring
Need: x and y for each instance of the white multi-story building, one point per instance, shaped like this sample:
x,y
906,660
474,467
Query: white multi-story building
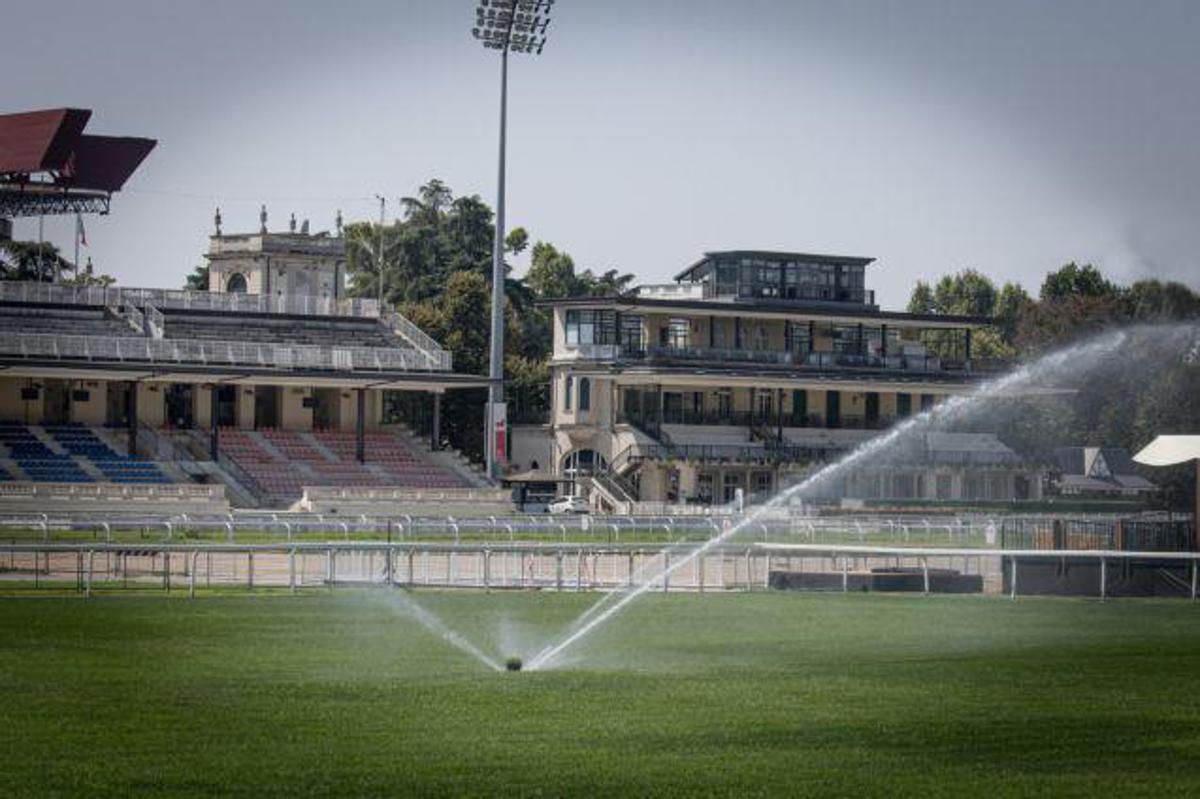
x,y
747,371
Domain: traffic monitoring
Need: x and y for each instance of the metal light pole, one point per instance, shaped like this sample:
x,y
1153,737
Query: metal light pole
x,y
518,26
379,252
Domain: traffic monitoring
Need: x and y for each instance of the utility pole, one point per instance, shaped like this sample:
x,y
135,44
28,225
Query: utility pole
x,y
518,26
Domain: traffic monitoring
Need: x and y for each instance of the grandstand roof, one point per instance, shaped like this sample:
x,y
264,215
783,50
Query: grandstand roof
x,y
53,142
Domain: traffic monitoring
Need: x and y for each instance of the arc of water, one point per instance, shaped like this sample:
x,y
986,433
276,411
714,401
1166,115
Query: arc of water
x,y
436,626
951,409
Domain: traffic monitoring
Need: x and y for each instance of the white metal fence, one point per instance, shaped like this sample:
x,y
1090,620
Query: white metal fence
x,y
554,567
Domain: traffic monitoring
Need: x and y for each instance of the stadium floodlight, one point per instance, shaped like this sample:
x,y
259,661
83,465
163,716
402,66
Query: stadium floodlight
x,y
517,26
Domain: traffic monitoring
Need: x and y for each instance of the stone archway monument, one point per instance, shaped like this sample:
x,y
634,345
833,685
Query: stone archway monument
x,y
1172,450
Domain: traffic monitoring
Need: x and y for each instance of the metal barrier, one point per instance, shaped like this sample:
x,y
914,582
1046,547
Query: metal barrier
x,y
555,567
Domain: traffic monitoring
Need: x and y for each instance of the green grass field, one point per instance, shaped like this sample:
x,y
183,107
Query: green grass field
x,y
756,694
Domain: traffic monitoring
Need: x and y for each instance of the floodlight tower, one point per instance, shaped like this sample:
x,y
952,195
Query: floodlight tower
x,y
517,26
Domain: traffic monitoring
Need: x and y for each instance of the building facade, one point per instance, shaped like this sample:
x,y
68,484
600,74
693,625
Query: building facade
x,y
278,265
748,371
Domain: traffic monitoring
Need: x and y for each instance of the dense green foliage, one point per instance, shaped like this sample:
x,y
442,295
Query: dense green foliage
x,y
29,260
779,694
1155,390
437,267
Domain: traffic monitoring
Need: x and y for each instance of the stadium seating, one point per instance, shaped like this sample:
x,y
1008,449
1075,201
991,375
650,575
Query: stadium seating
x,y
63,322
41,464
283,462
325,332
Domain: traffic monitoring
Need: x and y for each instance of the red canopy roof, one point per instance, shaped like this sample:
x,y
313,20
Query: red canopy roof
x,y
53,141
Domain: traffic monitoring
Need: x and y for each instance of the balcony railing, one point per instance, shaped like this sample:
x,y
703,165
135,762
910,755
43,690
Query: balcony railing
x,y
143,349
783,359
730,453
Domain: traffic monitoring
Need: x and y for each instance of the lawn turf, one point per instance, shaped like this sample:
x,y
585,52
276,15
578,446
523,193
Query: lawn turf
x,y
754,694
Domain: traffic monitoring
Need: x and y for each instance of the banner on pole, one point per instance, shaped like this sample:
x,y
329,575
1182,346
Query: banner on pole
x,y
500,432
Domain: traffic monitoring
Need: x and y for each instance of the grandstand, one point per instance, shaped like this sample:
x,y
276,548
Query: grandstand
x,y
270,383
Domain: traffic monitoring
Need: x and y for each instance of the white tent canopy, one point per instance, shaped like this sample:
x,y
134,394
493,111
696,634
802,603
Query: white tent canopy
x,y
1169,450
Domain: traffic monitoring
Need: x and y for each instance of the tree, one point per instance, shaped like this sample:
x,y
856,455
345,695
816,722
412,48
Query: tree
x,y
1150,300
551,273
197,280
1073,280
968,293
1011,304
29,260
921,301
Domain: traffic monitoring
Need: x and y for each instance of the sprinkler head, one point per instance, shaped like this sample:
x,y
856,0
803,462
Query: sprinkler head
x,y
513,664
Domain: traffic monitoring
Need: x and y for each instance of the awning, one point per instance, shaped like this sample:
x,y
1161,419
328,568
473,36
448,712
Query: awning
x,y
1170,450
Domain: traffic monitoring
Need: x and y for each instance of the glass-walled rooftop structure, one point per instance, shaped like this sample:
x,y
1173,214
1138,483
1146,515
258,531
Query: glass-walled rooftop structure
x,y
744,275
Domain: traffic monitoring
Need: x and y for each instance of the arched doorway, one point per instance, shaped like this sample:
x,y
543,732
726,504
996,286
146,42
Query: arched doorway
x,y
236,284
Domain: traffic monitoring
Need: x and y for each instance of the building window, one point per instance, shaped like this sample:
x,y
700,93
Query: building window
x,y
631,333
678,333
762,484
237,284
727,279
704,488
730,486
797,338
760,337
567,391
720,338
800,407
585,394
765,406
724,403
583,462
591,327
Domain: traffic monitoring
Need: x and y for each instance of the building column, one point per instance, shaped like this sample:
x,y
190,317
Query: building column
x,y
131,411
779,416
883,351
360,422
214,421
436,434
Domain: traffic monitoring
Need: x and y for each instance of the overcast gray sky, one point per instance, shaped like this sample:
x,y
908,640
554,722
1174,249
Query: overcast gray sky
x,y
931,134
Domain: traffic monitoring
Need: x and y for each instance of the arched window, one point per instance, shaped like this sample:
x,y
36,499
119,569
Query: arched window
x,y
567,393
584,461
236,284
585,394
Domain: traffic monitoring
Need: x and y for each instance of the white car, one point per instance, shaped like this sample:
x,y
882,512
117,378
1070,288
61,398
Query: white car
x,y
569,505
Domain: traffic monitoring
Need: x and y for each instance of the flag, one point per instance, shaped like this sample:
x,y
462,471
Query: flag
x,y
80,233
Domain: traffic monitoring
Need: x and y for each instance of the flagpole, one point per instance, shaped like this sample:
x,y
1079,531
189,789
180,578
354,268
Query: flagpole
x,y
41,261
78,227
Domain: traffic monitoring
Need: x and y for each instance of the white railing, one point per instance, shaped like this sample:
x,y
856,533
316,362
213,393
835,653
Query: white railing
x,y
24,291
135,318
177,351
418,338
112,562
155,324
375,494
591,352
671,291
116,492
